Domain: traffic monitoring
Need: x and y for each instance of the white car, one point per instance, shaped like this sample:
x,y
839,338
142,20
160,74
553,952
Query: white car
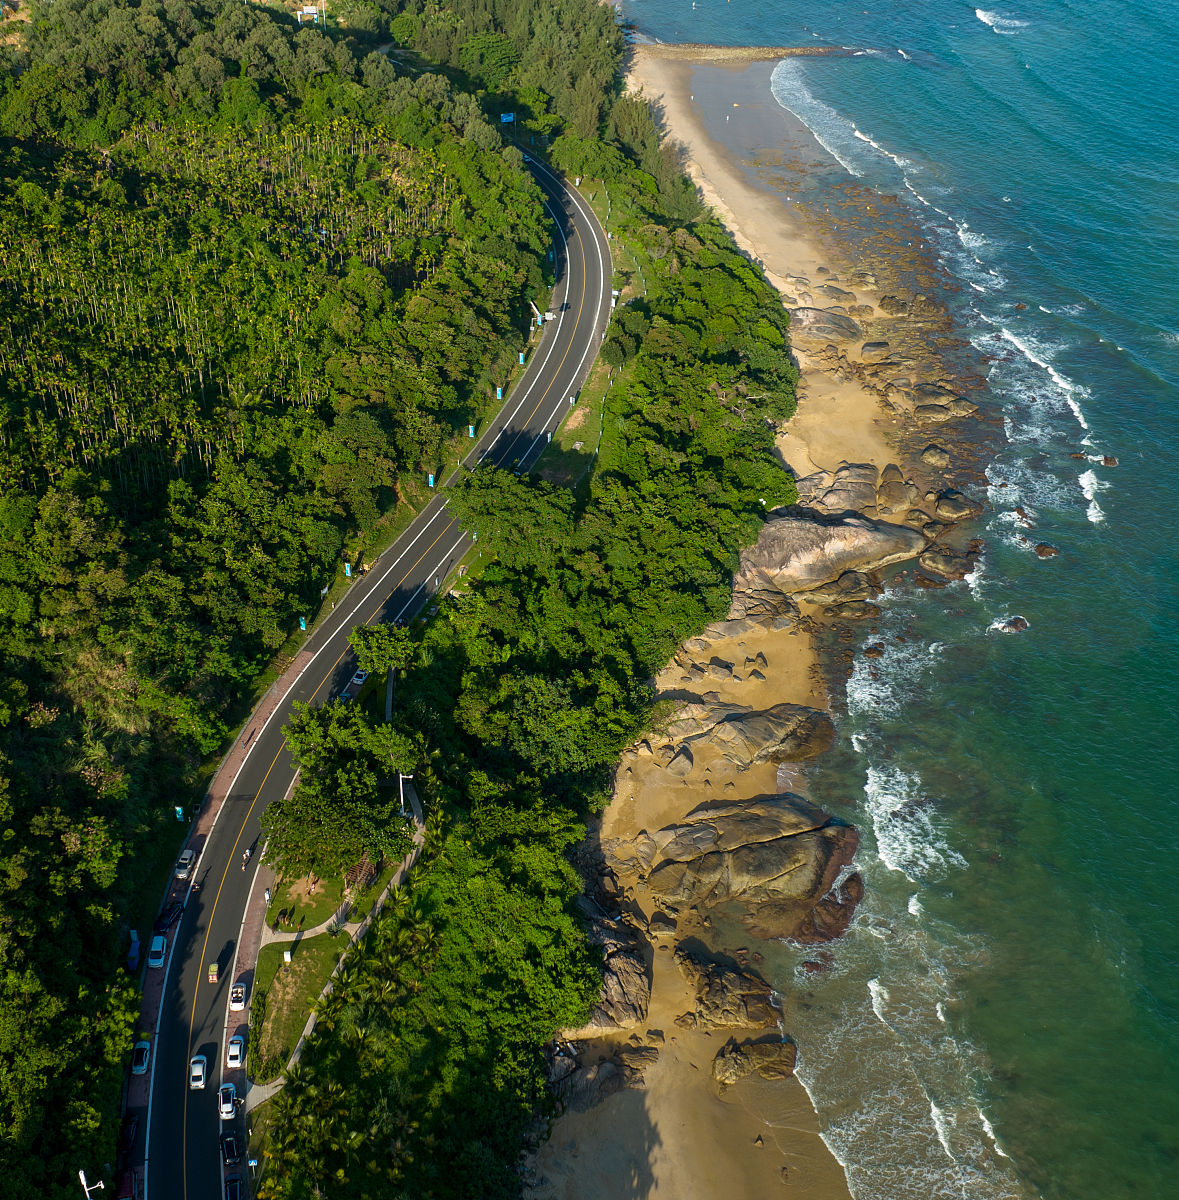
x,y
237,997
197,1072
358,679
235,1052
140,1057
227,1102
157,951
184,864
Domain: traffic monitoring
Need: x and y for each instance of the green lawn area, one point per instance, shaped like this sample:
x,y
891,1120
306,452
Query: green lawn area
x,y
287,993
296,899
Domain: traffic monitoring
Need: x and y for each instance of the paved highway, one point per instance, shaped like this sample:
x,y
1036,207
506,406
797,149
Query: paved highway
x,y
183,1155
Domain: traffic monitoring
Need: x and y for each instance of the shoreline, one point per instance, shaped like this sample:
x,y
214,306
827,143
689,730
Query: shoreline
x,y
675,1127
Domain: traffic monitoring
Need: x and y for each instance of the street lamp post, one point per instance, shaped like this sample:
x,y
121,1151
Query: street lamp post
x,y
401,789
90,1187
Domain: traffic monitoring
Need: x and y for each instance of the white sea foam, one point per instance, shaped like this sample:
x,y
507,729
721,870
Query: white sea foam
x,y
909,833
990,1132
944,1123
999,23
1090,486
940,1009
833,132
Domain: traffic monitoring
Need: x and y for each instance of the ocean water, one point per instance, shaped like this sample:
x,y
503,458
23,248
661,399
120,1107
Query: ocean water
x,y
1003,1018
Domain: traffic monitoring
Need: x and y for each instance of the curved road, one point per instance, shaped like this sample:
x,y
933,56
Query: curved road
x,y
183,1156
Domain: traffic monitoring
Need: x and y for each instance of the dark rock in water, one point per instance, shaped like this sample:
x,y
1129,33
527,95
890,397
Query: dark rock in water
x,y
1079,457
1020,307
725,998
1014,624
952,505
819,323
1044,550
772,1059
830,918
876,650
856,610
948,563
893,305
935,456
1109,461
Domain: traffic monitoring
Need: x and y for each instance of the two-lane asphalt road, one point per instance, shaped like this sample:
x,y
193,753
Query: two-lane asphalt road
x,y
182,1129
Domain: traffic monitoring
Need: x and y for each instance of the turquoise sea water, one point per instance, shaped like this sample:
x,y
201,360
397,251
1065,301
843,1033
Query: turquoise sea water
x,y
1003,1019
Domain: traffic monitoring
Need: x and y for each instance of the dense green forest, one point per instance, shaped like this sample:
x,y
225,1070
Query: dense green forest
x,y
256,278
255,272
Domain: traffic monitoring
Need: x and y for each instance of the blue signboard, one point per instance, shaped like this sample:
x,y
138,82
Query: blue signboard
x,y
303,623
348,570
499,393
506,118
431,481
470,431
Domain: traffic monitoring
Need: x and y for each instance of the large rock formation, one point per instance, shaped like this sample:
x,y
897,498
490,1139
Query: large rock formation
x,y
784,733
626,980
796,553
773,1059
725,997
823,324
779,855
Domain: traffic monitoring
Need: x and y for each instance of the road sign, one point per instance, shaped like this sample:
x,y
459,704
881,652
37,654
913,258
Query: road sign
x,y
348,570
521,358
506,118
470,431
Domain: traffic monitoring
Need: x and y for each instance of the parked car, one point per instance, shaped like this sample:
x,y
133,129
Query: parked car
x,y
133,953
346,696
227,1101
359,678
234,1189
168,917
230,1151
157,951
128,1133
235,1052
237,997
140,1057
198,1072
184,864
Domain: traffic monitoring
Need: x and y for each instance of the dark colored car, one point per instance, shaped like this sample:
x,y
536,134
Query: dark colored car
x,y
234,1189
168,917
230,1151
128,1133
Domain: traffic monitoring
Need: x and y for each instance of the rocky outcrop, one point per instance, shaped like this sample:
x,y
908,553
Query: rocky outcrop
x,y
797,553
626,980
784,733
585,1086
725,996
823,324
778,855
735,1060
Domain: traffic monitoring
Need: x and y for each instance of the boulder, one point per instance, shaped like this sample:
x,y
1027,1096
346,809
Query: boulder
x,y
587,1086
850,488
797,553
952,505
895,494
779,855
819,323
949,563
745,736
874,352
935,456
1016,624
626,981
725,996
770,1059
1046,550
681,762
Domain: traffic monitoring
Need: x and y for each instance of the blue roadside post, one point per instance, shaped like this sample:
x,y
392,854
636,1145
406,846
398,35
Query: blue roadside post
x,y
499,393
521,358
348,570
179,811
470,431
431,479
303,624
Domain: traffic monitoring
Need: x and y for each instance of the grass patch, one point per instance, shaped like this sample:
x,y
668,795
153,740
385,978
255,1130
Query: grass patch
x,y
568,456
287,993
298,901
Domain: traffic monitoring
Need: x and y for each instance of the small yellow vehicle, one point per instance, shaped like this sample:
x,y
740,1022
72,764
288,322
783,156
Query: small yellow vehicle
x,y
212,972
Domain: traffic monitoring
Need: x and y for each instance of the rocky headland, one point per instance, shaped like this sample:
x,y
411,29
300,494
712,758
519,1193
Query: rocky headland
x,y
713,840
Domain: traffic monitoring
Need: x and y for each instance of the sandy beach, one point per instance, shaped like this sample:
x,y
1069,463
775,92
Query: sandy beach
x,y
682,1134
